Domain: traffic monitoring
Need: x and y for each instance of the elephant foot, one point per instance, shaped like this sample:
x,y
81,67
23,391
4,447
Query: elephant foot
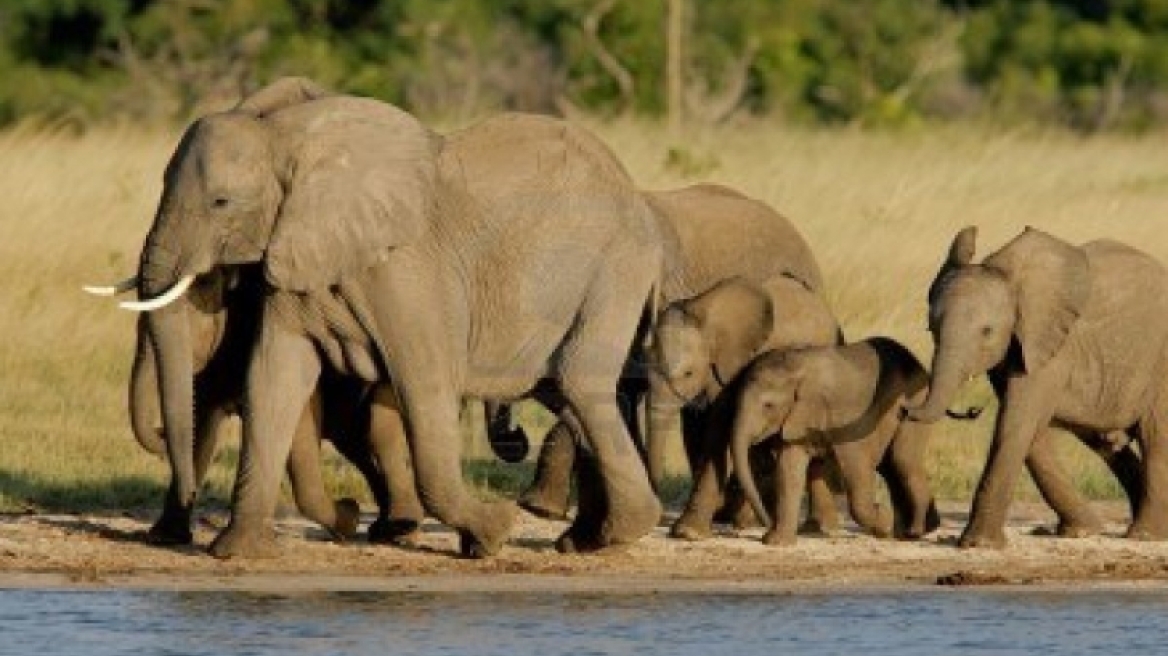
x,y
630,519
167,533
394,530
234,542
975,539
693,531
812,526
348,513
776,538
744,518
544,505
1079,528
1147,531
488,540
579,540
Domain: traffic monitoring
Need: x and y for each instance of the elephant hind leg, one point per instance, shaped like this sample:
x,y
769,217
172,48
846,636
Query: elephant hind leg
x,y
822,515
1151,520
903,470
593,356
550,492
392,476
305,461
1076,517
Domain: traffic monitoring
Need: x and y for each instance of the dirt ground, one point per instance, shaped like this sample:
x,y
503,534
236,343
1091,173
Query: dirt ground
x,y
84,551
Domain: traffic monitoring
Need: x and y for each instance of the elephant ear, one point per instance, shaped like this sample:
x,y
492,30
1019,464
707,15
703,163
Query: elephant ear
x,y
960,254
810,413
361,184
736,318
1051,281
282,93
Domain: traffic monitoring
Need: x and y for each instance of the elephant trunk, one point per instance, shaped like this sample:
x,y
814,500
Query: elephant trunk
x,y
144,406
740,442
664,428
948,375
170,335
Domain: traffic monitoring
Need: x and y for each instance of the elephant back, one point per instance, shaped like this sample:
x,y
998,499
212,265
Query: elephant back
x,y
713,233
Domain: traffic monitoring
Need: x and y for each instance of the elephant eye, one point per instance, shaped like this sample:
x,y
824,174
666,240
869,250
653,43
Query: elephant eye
x,y
219,203
986,331
688,373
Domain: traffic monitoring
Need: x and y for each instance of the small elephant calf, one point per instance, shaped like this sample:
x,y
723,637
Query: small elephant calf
x,y
844,401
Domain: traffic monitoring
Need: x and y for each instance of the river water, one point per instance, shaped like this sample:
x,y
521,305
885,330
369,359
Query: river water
x,y
934,622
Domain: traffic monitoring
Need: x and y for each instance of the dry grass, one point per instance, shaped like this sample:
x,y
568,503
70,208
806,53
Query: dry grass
x,y
879,209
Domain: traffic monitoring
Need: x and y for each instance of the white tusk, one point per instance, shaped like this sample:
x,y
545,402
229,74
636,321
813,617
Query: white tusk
x,y
171,294
112,290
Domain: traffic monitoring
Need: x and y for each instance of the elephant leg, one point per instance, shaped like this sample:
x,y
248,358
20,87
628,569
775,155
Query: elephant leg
x,y
305,462
594,357
173,527
859,475
403,513
1128,469
904,472
283,373
790,479
1151,519
1026,410
1076,517
549,494
822,515
711,470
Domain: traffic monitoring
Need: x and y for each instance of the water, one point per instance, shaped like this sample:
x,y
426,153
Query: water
x,y
36,622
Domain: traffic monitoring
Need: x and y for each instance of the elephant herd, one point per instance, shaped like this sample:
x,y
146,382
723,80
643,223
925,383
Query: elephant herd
x,y
327,268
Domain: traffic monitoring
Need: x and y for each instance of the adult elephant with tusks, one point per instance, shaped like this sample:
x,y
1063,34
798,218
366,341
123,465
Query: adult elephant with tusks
x,y
478,264
222,313
1073,337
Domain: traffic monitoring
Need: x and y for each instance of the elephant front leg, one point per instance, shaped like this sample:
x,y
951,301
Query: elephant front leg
x,y
174,525
1076,517
711,470
283,372
401,511
790,479
1026,409
550,492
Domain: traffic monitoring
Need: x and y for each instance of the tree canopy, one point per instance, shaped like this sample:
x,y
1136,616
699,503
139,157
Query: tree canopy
x,y
1089,64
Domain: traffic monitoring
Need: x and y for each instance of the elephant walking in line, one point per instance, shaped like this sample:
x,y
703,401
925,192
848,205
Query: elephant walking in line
x,y
510,253
700,346
711,234
222,311
848,401
1073,337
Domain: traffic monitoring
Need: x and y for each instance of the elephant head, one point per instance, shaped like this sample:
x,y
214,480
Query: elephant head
x,y
313,185
698,346
791,393
1027,297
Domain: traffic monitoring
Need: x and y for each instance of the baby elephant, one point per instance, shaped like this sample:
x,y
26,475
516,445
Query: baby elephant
x,y
844,401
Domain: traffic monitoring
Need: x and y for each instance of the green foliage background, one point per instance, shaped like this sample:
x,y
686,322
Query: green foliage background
x,y
1088,64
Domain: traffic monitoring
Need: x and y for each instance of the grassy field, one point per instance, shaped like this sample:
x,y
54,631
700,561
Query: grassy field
x,y
879,209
